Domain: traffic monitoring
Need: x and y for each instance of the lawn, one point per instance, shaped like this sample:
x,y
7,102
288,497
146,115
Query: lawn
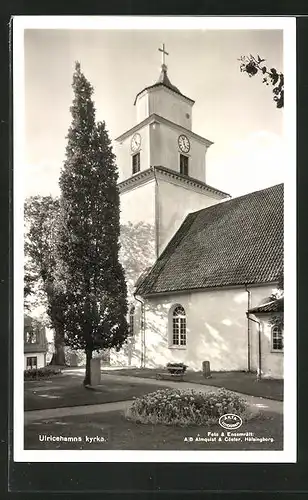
x,y
117,433
67,390
245,383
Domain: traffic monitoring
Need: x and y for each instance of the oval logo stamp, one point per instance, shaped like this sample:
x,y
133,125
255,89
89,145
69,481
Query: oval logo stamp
x,y
230,421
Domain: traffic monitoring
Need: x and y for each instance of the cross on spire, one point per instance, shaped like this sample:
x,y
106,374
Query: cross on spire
x,y
163,54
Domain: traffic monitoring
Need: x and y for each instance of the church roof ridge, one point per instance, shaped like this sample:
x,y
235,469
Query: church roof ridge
x,y
235,242
242,196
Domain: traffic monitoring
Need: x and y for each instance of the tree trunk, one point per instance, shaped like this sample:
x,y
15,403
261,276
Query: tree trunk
x,y
87,379
58,357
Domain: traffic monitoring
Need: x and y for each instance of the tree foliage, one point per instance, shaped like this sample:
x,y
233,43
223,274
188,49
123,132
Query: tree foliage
x,y
95,305
41,286
278,318
137,251
254,65
39,215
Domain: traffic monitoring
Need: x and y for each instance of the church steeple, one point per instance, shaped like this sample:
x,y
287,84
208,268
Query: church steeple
x,y
163,77
163,82
164,99
162,162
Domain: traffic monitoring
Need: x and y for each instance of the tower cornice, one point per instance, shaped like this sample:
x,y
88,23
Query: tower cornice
x,y
149,174
136,180
154,118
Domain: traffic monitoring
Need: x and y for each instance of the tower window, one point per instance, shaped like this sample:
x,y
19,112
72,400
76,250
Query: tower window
x,y
183,164
136,163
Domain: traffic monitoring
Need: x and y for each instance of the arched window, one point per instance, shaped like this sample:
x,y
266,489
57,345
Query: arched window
x,y
179,326
277,338
132,321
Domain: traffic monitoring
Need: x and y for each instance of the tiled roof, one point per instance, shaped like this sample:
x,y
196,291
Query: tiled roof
x,y
235,242
273,306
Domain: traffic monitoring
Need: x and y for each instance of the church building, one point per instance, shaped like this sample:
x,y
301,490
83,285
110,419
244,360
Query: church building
x,y
196,261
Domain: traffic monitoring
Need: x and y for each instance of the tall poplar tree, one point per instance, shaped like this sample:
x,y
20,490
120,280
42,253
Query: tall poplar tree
x,y
96,304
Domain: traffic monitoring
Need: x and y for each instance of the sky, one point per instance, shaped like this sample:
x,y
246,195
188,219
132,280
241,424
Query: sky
x,y
234,111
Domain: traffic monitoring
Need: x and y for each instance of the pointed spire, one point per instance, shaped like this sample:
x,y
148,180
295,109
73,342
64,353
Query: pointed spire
x,y
164,80
163,77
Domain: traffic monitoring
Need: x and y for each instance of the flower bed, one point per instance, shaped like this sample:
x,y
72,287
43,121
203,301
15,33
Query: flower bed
x,y
186,407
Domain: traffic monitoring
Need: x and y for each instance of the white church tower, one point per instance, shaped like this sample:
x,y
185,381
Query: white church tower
x,y
162,162
162,174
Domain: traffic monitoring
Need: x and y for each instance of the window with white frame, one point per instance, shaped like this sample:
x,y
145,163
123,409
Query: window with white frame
x,y
31,337
132,321
277,338
31,362
179,326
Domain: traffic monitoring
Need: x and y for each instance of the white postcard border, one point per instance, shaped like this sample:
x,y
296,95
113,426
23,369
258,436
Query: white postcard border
x,y
288,25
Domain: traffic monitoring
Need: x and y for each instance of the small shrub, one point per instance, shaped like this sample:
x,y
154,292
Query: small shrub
x,y
39,373
186,407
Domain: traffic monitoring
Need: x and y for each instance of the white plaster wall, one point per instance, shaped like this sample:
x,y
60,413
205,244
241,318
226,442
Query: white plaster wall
x,y
272,362
40,359
171,106
175,202
216,328
130,353
142,107
138,251
137,237
138,204
164,150
124,154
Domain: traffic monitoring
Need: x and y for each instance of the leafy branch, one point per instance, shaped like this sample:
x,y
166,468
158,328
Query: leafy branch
x,y
253,65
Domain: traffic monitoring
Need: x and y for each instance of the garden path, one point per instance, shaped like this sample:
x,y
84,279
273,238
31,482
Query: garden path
x,y
35,415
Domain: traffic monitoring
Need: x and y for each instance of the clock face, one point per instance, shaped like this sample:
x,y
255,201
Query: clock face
x,y
184,143
136,142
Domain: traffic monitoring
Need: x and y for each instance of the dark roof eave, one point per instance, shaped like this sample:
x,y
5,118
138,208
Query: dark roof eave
x,y
203,288
276,306
167,87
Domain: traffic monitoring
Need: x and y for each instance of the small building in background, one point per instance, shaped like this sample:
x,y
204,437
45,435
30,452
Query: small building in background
x,y
35,344
270,318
